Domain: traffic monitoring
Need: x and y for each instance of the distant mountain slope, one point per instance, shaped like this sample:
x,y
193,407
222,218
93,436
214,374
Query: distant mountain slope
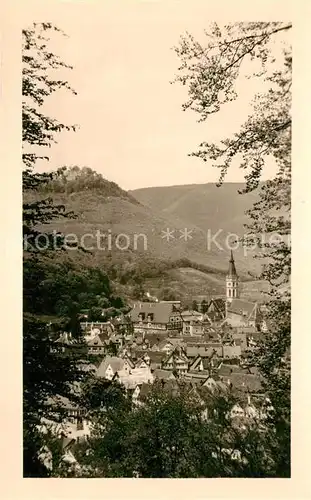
x,y
209,209
120,216
204,205
163,230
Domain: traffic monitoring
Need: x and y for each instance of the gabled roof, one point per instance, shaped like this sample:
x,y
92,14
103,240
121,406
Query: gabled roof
x,y
164,342
98,340
204,351
156,356
178,352
113,361
198,360
67,442
246,382
211,335
64,338
163,374
129,360
219,304
140,362
207,383
161,311
137,353
231,351
226,370
243,308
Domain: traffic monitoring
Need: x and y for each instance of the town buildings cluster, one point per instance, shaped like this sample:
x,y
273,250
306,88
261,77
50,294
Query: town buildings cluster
x,y
160,341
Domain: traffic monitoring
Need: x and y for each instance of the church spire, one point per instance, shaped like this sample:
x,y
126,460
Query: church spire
x,y
232,270
232,281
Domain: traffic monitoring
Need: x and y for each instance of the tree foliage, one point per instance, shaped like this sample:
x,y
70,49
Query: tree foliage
x,y
64,289
75,179
210,71
175,432
45,373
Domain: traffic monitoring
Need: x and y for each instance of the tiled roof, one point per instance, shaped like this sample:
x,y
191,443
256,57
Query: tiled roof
x,y
115,363
161,311
163,374
176,356
155,338
243,307
164,342
227,369
219,304
222,386
140,362
246,382
211,336
156,356
231,350
98,340
182,339
204,351
137,353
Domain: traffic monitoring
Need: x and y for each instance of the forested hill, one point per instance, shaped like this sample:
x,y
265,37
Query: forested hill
x,y
99,204
204,205
75,179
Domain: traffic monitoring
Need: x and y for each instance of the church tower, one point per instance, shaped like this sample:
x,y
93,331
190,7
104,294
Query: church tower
x,y
232,281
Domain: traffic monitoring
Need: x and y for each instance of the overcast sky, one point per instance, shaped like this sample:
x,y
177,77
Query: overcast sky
x,y
132,128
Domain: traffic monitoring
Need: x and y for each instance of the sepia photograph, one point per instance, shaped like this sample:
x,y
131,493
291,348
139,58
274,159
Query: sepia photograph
x,y
156,217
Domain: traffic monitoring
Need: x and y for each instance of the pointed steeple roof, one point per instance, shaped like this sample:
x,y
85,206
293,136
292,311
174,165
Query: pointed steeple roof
x,y
232,270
